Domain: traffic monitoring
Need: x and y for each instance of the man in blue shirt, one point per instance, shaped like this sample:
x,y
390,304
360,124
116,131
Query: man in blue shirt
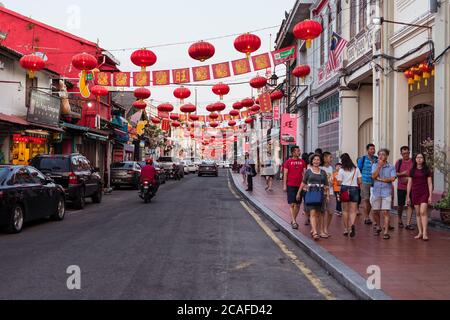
x,y
383,174
365,164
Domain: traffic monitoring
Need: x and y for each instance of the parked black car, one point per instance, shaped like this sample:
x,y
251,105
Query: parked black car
x,y
208,168
26,195
127,173
75,174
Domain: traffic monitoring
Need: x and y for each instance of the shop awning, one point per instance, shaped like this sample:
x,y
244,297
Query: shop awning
x,y
13,119
74,127
94,136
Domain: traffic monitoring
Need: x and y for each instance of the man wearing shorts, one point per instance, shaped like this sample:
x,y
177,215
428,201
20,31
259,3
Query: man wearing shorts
x,y
383,174
294,169
365,165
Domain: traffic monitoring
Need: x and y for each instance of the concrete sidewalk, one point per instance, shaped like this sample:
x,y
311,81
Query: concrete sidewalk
x,y
410,269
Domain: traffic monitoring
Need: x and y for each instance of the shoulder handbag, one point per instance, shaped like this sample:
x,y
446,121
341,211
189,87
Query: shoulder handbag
x,y
314,196
345,195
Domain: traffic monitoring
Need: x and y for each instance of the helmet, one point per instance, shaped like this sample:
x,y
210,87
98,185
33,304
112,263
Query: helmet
x,y
149,161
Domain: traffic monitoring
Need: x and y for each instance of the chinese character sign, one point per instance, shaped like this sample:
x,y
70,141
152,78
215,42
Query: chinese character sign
x,y
261,62
141,79
201,73
161,78
103,79
181,76
221,70
289,129
241,66
266,103
121,79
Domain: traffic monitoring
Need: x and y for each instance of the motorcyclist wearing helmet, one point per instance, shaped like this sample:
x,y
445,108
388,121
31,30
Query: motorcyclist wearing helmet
x,y
148,173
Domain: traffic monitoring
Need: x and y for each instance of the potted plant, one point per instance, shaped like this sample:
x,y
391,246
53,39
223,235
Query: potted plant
x,y
438,159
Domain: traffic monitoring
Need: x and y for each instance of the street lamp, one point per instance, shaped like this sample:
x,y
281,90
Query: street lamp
x,y
378,21
273,80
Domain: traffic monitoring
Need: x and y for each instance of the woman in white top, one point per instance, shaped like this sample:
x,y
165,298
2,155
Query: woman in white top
x,y
349,178
268,172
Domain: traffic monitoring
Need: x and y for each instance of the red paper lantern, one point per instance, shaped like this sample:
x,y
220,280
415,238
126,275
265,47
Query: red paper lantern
x,y
140,105
211,108
308,30
238,106
194,117
202,51
99,91
255,108
84,62
301,71
156,120
409,74
258,82
232,123
142,93
176,124
219,106
221,90
234,113
174,117
188,108
248,102
426,71
214,125
165,107
182,93
277,95
214,116
32,63
247,43
249,120
143,58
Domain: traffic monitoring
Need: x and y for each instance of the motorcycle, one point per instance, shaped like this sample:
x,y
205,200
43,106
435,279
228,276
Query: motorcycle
x,y
148,191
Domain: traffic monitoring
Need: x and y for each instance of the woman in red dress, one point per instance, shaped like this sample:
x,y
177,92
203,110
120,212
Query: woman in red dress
x,y
420,190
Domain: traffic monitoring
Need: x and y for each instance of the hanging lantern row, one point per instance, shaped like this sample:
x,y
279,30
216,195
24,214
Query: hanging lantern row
x,y
99,91
415,74
85,63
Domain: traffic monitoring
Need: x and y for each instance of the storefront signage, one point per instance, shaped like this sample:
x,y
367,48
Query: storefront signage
x,y
289,129
359,47
44,109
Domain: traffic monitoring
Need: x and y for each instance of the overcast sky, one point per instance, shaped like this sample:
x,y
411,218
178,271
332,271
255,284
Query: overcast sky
x,y
133,23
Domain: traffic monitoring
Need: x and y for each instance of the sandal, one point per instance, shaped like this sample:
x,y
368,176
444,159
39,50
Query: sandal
x,y
386,237
294,225
316,237
346,233
378,232
425,239
353,232
419,237
324,236
409,227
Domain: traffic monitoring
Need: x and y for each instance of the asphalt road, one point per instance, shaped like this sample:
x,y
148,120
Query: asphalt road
x,y
195,241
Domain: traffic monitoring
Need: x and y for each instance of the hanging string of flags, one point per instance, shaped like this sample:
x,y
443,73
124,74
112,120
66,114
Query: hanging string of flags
x,y
196,74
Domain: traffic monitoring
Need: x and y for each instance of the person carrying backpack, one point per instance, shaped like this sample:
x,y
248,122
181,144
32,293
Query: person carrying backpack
x,y
365,164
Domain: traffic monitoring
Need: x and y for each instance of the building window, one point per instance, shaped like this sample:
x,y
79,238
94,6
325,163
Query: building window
x,y
329,109
339,17
353,17
362,14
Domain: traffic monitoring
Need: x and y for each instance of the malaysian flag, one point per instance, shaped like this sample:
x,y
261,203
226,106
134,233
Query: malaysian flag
x,y
338,45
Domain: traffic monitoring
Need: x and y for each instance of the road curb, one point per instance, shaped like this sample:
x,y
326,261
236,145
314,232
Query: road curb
x,y
346,276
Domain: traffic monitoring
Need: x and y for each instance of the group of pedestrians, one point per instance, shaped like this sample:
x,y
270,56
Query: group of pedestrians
x,y
369,183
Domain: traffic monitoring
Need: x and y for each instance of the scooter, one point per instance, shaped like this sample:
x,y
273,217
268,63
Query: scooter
x,y
148,191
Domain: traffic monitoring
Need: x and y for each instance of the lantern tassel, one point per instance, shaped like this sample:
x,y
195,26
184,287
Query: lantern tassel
x,y
308,44
31,74
426,82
